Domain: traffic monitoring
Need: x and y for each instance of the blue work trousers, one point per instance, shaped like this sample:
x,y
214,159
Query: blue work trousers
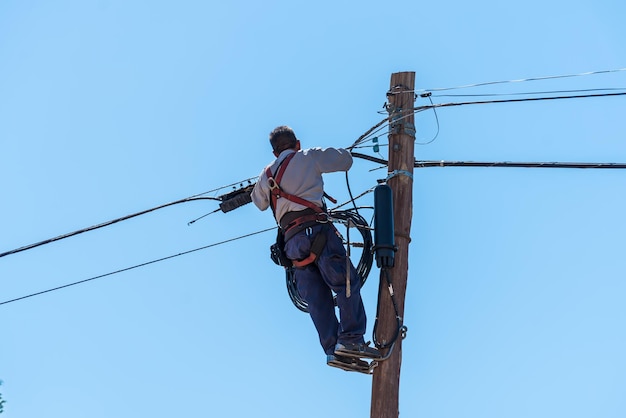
x,y
317,282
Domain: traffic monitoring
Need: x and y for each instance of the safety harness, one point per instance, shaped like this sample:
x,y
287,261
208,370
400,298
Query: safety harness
x,y
292,224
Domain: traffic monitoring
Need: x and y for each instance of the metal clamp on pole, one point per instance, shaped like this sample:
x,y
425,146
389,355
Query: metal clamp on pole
x,y
395,173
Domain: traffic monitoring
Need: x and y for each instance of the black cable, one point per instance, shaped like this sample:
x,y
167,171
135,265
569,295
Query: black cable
x,y
387,344
426,93
528,99
436,119
426,164
135,266
363,268
123,218
442,163
383,124
370,158
239,183
367,133
102,225
350,193
370,146
352,200
528,93
527,79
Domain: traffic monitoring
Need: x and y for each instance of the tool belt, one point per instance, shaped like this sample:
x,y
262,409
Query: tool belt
x,y
277,251
278,255
293,222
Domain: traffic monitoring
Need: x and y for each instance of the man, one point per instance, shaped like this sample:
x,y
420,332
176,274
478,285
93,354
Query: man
x,y
299,210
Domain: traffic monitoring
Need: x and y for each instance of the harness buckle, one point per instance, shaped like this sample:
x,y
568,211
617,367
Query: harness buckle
x,y
272,183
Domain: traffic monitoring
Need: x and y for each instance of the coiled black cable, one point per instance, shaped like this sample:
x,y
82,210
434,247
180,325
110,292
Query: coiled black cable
x,y
349,217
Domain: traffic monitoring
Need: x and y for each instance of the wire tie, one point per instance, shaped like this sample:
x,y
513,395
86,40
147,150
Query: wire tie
x,y
409,129
395,173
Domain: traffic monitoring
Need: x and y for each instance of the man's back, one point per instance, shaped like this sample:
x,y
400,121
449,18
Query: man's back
x,y
302,177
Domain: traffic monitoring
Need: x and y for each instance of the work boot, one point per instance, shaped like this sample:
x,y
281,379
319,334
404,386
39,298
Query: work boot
x,y
358,350
349,364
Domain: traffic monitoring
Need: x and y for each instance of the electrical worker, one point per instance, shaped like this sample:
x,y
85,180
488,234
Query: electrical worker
x,y
300,213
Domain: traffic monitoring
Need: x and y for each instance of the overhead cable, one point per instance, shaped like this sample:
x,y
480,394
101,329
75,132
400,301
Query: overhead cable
x,y
135,266
528,99
367,133
102,225
525,80
443,163
225,206
239,183
425,164
528,93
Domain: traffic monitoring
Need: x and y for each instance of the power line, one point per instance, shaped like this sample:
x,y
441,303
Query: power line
x,y
353,199
383,124
443,163
135,266
239,183
529,93
370,131
195,197
525,80
528,99
102,225
436,120
425,164
363,138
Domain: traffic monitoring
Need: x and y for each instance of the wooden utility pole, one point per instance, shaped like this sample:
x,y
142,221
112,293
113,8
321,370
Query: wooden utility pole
x,y
386,380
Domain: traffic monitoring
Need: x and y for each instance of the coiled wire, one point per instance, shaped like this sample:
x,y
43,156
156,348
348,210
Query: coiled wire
x,y
349,218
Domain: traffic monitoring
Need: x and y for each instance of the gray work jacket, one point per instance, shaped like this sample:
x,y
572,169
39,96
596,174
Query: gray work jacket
x,y
303,177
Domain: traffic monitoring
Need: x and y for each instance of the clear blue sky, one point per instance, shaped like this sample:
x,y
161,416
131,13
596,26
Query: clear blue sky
x,y
108,107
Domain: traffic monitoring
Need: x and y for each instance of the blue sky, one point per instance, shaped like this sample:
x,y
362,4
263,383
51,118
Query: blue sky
x,y
516,276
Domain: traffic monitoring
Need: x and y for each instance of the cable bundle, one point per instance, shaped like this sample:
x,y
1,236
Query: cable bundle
x,y
350,218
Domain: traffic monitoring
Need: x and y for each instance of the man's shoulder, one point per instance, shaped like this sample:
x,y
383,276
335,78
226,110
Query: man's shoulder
x,y
320,151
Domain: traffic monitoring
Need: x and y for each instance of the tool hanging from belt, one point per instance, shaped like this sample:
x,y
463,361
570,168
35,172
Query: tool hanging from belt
x,y
303,219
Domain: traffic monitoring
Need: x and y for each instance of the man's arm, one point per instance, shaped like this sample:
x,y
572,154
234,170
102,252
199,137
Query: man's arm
x,y
330,160
260,193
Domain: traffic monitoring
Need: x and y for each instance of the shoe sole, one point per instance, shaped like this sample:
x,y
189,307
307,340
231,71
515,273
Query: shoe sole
x,y
357,354
352,367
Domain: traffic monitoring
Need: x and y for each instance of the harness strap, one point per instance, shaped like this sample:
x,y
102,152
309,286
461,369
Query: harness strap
x,y
302,222
317,246
276,191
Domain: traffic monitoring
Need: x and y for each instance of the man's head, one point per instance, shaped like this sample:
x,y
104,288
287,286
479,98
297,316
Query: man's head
x,y
282,138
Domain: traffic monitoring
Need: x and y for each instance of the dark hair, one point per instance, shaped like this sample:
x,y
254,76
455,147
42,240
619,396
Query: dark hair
x,y
282,138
